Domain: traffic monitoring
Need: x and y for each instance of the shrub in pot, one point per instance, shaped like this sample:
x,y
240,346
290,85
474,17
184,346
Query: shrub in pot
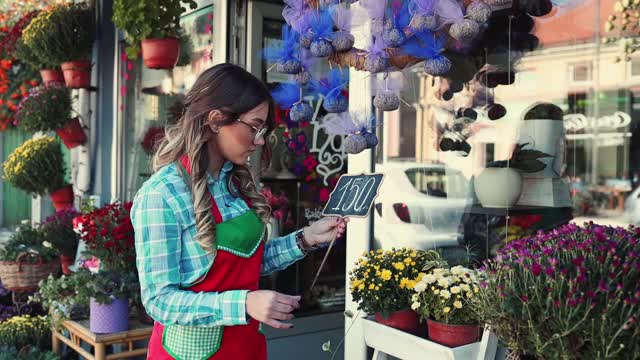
x,y
65,297
50,73
22,331
382,283
153,27
65,35
570,293
48,108
500,184
442,296
58,230
37,167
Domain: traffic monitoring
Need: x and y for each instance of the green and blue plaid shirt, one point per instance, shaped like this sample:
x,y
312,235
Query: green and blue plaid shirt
x,y
169,259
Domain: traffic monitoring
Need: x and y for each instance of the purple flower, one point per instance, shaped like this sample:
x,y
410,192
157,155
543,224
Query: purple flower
x,y
550,271
536,269
524,298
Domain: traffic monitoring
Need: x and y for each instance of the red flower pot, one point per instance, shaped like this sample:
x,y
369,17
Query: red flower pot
x,y
65,262
77,74
51,76
160,53
72,134
62,198
452,335
405,320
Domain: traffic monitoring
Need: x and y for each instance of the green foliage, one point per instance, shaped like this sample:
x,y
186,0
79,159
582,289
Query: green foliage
x,y
58,230
186,48
37,166
64,33
21,331
28,57
63,296
523,160
30,240
46,108
26,353
148,19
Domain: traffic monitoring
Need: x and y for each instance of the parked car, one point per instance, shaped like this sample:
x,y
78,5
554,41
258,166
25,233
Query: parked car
x,y
419,205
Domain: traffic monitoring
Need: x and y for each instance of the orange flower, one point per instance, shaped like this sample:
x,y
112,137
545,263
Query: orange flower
x,y
5,64
15,96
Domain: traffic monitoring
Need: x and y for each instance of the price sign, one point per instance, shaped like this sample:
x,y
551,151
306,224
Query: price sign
x,y
353,195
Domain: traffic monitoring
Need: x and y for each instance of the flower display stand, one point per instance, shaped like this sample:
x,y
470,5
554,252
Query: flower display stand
x,y
389,341
78,334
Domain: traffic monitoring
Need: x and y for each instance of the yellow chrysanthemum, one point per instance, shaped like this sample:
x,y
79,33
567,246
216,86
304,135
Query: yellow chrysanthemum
x,y
385,274
399,266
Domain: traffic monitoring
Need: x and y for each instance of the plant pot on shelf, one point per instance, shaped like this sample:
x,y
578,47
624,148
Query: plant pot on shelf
x,y
77,74
72,134
65,262
452,335
498,187
405,320
109,318
62,198
51,76
160,53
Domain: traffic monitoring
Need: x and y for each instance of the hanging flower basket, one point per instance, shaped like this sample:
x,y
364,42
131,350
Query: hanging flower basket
x,y
23,275
62,198
72,134
51,76
160,53
77,74
109,318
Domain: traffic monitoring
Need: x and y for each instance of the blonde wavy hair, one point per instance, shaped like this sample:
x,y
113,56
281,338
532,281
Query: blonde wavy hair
x,y
233,91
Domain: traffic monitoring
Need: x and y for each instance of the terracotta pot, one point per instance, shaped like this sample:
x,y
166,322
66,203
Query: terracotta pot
x,y
51,76
160,53
65,262
62,198
72,134
405,320
77,74
498,187
452,335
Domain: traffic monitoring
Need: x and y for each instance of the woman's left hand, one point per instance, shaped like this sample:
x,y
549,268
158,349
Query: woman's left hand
x,y
325,230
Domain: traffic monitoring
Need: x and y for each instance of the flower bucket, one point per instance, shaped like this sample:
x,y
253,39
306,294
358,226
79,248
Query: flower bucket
x,y
51,76
72,134
109,318
452,335
65,262
160,53
405,320
77,74
62,198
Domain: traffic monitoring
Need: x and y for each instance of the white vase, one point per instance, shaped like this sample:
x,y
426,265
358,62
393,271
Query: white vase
x,y
498,187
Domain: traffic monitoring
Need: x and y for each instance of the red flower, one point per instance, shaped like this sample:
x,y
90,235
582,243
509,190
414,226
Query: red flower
x,y
152,139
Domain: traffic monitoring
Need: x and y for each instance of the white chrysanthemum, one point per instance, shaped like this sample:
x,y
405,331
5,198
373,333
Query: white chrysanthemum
x,y
443,282
47,244
465,287
457,270
445,294
429,278
420,287
415,306
455,289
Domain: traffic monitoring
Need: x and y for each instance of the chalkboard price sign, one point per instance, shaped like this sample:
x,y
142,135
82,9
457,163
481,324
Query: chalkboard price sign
x,y
353,195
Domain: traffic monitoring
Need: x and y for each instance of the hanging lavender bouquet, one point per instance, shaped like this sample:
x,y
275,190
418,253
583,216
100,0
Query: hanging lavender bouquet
x,y
571,293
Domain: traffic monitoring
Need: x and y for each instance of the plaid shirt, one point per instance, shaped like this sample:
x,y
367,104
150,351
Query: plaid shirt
x,y
169,259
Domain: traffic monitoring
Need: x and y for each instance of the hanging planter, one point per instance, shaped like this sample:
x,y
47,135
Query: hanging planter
x,y
109,318
153,28
72,134
51,76
77,74
62,198
160,53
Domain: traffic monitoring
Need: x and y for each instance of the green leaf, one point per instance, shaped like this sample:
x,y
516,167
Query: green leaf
x,y
348,313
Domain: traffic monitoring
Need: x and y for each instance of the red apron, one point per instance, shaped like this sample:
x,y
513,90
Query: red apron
x,y
228,272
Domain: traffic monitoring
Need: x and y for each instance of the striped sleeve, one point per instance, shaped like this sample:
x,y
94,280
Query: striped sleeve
x,y
158,250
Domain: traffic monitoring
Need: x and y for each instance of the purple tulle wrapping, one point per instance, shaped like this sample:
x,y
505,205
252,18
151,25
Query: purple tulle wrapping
x,y
345,123
341,17
294,13
448,11
424,46
332,84
321,24
375,8
286,95
421,6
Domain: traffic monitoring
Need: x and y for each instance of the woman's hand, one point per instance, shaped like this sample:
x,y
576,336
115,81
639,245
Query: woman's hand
x,y
325,230
272,308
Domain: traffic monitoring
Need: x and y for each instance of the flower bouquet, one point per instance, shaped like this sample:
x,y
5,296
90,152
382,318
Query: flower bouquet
x,y
442,297
570,293
37,167
382,283
26,259
58,230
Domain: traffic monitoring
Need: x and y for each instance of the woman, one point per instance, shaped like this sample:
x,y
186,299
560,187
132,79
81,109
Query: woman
x,y
200,228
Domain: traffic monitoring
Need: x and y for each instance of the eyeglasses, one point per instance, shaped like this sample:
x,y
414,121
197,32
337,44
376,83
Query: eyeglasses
x,y
259,132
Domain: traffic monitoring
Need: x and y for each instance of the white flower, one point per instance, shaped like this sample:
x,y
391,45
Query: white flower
x,y
420,287
429,279
415,306
465,287
445,294
457,270
443,282
414,297
46,244
25,222
457,304
455,290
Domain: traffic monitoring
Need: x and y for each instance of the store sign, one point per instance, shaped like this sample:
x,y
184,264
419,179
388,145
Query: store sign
x,y
353,195
579,122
